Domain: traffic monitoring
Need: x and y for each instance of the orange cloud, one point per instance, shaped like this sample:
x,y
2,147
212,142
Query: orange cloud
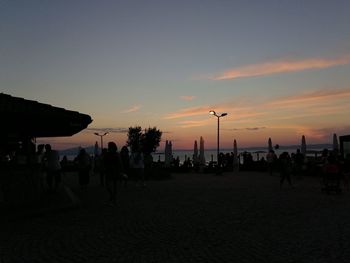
x,y
315,96
281,66
191,124
195,111
187,97
311,97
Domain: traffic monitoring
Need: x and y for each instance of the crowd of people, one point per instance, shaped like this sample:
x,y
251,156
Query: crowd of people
x,y
113,166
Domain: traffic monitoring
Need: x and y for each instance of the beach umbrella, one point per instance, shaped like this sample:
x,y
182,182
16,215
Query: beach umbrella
x,y
235,156
170,150
270,148
335,142
167,154
303,145
201,152
195,152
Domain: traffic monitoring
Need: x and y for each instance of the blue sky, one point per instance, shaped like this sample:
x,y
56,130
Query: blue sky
x,y
167,63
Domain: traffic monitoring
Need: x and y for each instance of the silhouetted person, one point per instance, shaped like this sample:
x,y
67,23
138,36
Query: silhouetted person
x,y
124,154
298,162
271,160
99,166
137,165
286,168
113,168
52,168
83,162
39,160
332,173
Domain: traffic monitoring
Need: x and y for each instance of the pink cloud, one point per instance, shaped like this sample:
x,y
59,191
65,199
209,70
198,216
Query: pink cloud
x,y
281,66
187,97
195,111
312,97
132,109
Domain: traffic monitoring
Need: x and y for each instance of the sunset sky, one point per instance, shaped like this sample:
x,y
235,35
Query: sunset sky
x,y
280,69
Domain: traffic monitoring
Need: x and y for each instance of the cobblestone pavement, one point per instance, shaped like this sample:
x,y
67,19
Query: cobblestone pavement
x,y
244,217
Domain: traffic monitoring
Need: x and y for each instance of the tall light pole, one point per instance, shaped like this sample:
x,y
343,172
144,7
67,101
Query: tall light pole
x,y
101,135
218,141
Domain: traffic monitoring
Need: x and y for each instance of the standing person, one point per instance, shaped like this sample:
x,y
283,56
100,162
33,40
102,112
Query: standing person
x,y
113,169
52,167
83,162
99,166
298,163
271,159
124,154
39,160
137,166
286,168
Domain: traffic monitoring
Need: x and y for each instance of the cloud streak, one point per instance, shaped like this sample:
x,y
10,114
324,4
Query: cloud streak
x,y
188,112
281,66
114,130
247,129
132,109
312,97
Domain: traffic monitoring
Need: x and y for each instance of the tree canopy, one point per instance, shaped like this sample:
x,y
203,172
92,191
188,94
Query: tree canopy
x,y
147,140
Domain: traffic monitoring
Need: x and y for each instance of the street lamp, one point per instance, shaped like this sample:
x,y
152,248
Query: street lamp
x,y
101,135
218,141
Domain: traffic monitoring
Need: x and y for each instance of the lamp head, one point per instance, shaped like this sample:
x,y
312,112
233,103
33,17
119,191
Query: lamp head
x,y
212,112
224,114
96,133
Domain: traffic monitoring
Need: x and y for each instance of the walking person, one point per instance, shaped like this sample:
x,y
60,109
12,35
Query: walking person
x,y
83,161
113,169
124,154
52,168
137,166
39,160
271,160
298,162
285,168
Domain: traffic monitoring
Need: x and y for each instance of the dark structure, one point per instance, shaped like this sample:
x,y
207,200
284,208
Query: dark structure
x,y
344,142
23,120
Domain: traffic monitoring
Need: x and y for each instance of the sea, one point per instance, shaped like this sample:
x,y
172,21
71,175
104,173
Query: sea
x,y
211,154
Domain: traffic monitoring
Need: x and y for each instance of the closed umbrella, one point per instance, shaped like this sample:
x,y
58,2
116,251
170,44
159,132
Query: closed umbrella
x,y
195,152
270,148
167,154
235,156
303,145
201,152
335,142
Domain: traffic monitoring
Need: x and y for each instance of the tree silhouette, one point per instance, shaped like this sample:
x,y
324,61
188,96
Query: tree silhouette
x,y
148,140
134,138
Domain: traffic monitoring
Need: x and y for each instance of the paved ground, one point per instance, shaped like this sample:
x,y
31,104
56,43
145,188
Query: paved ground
x,y
190,218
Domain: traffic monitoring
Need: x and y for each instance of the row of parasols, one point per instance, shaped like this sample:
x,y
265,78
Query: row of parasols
x,y
303,147
199,157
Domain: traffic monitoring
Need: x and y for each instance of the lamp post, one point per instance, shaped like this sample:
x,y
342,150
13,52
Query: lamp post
x,y
101,135
218,140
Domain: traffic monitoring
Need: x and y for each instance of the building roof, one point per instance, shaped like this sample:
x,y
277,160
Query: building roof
x,y
26,118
